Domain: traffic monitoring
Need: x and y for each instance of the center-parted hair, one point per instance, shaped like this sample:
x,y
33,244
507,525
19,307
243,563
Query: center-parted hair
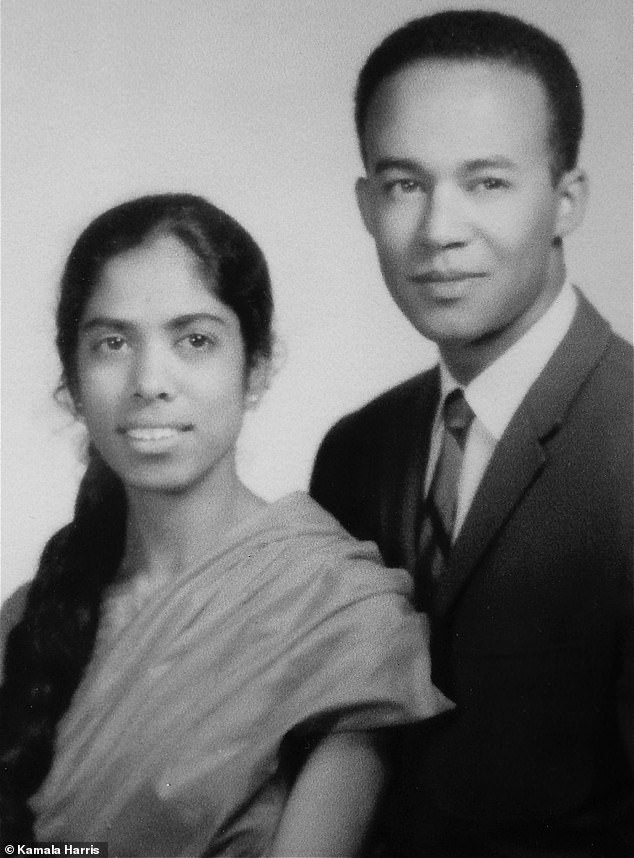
x,y
488,37
49,649
229,259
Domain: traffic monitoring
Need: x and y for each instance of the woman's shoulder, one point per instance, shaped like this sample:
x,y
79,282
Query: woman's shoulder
x,y
13,608
298,518
313,541
349,621
11,613
299,514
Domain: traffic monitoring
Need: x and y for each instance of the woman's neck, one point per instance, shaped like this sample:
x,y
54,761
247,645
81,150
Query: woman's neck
x,y
169,532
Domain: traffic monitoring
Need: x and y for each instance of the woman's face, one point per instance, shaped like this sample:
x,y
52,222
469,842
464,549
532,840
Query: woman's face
x,y
161,370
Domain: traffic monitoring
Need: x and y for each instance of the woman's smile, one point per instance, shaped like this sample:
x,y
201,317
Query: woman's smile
x,y
154,438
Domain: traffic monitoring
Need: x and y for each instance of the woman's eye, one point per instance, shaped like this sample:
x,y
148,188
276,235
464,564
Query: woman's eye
x,y
198,342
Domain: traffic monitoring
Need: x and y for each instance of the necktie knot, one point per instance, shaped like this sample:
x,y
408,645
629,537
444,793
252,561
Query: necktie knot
x,y
457,416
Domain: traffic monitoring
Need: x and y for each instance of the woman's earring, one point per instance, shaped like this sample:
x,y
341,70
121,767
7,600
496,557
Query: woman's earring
x,y
257,382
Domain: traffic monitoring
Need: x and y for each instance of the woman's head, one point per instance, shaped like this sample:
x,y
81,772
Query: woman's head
x,y
229,260
164,332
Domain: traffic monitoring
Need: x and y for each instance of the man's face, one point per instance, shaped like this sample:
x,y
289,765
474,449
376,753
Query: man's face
x,y
461,203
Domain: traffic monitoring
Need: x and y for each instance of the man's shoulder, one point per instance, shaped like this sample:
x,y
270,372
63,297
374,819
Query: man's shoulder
x,y
393,405
619,357
612,365
591,360
587,389
363,450
609,394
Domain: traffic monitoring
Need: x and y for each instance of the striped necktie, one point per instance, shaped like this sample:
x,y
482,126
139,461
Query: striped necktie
x,y
439,508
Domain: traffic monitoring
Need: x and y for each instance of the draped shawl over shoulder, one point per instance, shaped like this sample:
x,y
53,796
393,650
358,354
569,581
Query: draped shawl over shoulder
x,y
172,741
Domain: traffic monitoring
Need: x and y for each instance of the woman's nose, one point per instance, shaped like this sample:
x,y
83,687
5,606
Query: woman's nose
x,y
152,378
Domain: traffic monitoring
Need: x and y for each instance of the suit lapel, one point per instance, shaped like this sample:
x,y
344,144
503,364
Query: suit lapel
x,y
515,464
521,453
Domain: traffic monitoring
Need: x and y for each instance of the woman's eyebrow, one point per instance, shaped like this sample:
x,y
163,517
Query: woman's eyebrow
x,y
195,318
176,323
105,322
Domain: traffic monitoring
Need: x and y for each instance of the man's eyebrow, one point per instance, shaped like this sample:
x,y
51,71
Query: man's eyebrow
x,y
491,161
407,164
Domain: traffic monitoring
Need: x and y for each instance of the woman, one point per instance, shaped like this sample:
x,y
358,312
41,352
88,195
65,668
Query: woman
x,y
181,634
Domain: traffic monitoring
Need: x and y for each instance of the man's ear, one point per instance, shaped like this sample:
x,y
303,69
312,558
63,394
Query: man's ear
x,y
365,201
71,400
572,190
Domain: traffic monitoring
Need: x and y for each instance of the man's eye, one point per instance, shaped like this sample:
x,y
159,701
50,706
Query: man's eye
x,y
110,344
402,186
492,183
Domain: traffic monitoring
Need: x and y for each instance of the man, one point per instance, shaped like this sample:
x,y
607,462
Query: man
x,y
502,479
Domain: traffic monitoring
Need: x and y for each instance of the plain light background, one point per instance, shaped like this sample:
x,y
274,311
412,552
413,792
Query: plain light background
x,y
248,102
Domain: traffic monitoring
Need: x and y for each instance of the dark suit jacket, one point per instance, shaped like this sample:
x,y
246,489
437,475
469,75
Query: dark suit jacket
x,y
532,623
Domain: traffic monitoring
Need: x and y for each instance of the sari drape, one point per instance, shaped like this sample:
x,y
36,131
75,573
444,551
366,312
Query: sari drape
x,y
171,745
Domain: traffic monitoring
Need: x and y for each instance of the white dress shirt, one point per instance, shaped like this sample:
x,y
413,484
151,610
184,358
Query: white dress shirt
x,y
496,394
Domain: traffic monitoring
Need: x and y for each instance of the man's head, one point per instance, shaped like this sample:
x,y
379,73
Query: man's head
x,y
469,187
480,35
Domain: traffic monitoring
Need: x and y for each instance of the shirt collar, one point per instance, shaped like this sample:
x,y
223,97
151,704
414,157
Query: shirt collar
x,y
495,394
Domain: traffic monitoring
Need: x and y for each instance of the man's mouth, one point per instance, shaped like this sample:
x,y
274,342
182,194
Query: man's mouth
x,y
152,434
451,276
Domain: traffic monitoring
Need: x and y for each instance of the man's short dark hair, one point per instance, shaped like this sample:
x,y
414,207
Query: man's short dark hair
x,y
487,36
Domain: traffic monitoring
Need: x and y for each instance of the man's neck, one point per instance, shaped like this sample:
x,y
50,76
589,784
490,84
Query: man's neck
x,y
466,360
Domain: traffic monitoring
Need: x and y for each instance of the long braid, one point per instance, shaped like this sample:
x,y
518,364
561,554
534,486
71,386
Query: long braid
x,y
48,650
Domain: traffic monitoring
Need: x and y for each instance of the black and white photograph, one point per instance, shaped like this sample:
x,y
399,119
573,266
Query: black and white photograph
x,y
317,428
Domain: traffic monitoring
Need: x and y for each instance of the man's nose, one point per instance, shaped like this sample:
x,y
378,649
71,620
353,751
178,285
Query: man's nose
x,y
444,222
152,377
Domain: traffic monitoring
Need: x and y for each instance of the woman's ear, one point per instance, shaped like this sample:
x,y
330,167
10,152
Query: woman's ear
x,y
258,380
572,189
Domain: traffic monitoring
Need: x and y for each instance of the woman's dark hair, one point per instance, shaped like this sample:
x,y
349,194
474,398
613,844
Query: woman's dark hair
x,y
49,649
479,35
229,258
